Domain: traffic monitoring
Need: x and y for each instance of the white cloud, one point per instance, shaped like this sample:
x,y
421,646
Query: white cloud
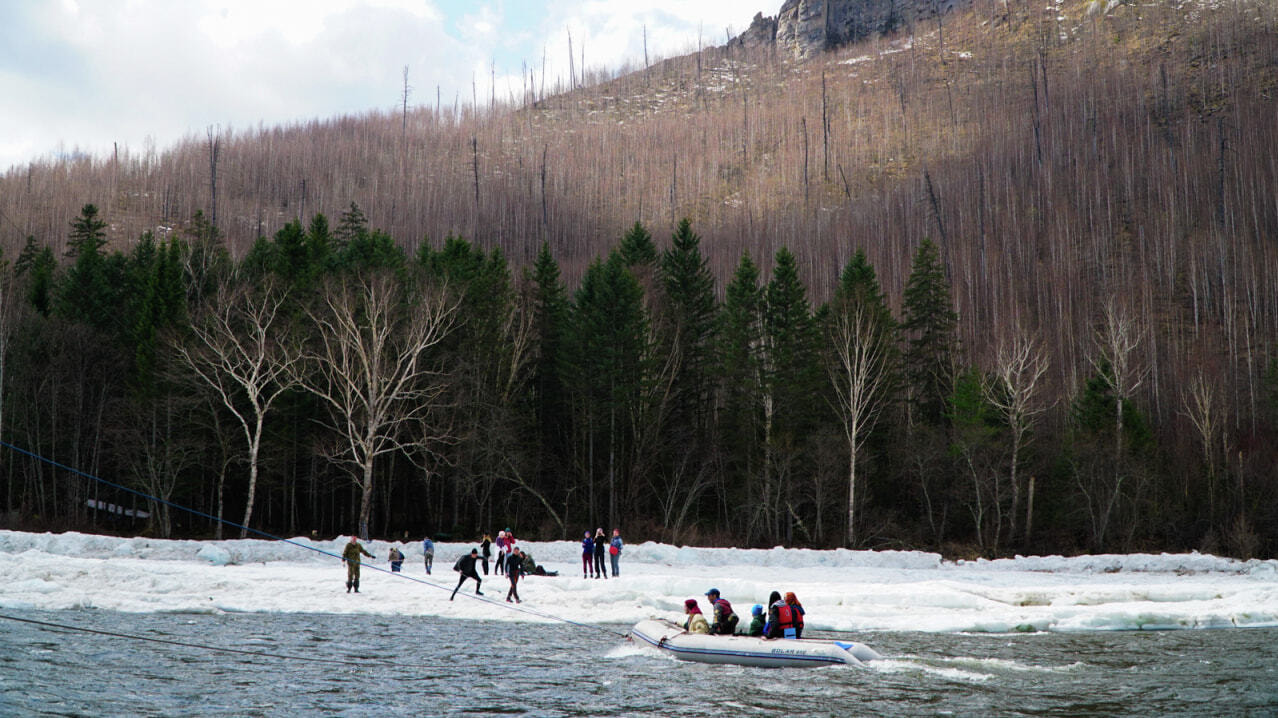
x,y
89,73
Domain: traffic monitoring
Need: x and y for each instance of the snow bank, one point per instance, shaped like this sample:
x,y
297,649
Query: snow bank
x,y
841,590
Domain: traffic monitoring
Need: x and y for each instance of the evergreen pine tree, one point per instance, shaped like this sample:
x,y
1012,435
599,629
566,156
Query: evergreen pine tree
x,y
929,328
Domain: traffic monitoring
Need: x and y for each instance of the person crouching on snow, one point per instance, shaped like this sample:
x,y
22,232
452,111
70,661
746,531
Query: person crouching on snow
x,y
696,622
350,556
396,559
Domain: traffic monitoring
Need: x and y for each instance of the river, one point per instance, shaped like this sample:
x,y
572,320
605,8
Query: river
x,y
359,665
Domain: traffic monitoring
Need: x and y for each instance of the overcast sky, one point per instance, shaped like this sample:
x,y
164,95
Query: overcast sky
x,y
82,74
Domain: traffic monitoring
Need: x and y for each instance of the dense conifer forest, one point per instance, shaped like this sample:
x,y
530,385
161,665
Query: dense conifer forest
x,y
1003,283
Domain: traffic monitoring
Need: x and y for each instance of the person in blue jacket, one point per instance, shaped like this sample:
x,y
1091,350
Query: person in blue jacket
x,y
428,553
587,555
614,549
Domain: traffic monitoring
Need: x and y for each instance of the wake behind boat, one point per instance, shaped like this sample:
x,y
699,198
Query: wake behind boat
x,y
746,650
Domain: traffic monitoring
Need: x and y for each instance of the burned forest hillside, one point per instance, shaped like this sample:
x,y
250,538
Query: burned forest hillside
x,y
1078,166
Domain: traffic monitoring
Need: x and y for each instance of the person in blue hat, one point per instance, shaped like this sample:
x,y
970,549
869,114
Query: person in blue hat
x,y
725,621
756,622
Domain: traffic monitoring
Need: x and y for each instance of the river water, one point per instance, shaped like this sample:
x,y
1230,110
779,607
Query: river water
x,y
357,665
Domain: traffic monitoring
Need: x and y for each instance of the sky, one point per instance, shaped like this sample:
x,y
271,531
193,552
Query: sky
x,y
840,589
81,75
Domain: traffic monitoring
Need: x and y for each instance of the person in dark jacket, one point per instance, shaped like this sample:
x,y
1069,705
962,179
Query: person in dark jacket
x,y
396,559
783,621
350,556
587,555
725,620
513,575
756,621
486,548
466,567
767,611
601,547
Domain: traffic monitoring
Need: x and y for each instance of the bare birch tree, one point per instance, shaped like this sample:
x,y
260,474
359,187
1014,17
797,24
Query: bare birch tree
x,y
369,365
859,378
1202,408
1014,392
1116,341
242,353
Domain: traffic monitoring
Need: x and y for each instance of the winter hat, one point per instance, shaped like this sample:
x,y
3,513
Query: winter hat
x,y
691,605
756,610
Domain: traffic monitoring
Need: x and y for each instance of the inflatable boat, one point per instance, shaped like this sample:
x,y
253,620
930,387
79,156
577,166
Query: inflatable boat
x,y
748,651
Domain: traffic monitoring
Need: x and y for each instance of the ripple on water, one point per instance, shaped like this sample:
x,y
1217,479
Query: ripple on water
x,y
437,667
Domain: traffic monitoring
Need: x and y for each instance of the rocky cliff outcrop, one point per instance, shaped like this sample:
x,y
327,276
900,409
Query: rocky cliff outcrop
x,y
803,28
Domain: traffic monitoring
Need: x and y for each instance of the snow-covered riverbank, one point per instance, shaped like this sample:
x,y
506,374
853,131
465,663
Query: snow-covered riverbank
x,y
842,590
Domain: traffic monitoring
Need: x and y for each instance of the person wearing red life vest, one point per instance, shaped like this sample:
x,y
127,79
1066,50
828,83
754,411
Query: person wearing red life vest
x,y
782,619
797,608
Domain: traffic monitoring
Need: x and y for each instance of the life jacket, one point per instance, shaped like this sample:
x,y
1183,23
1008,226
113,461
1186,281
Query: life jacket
x,y
787,617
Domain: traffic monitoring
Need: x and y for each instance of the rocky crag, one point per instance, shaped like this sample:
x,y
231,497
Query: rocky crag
x,y
804,28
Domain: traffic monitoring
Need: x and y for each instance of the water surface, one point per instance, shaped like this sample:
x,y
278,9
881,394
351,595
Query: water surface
x,y
399,667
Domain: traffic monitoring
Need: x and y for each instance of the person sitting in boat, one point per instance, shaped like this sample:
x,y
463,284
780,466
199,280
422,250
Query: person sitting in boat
x,y
725,620
782,620
756,622
696,622
797,607
767,612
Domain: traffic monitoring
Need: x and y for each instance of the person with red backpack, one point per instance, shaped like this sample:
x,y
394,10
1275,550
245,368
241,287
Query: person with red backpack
x,y
725,620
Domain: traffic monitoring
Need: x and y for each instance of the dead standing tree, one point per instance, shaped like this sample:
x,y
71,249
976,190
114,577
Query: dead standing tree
x,y
859,376
370,365
237,352
1116,341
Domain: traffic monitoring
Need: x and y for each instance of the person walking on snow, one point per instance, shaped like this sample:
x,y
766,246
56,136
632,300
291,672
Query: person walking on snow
x,y
587,555
466,567
350,556
513,574
428,553
486,546
601,545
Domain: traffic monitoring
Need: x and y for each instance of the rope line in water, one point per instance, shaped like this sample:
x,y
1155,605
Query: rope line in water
x,y
187,644
404,576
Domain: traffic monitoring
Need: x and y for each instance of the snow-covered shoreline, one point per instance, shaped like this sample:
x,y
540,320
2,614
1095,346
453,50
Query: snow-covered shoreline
x,y
841,589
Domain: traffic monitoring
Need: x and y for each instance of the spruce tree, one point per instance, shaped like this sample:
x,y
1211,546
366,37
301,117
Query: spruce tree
x,y
690,309
929,329
87,293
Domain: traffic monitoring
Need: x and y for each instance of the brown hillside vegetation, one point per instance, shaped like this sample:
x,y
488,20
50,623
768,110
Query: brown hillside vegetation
x,y
1060,160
